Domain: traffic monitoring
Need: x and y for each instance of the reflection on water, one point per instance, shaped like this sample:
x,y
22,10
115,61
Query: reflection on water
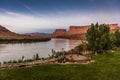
x,y
15,51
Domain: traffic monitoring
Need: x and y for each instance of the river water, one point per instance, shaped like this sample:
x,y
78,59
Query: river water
x,y
17,50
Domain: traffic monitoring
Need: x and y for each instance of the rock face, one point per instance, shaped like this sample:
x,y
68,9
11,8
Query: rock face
x,y
83,29
113,27
59,32
79,30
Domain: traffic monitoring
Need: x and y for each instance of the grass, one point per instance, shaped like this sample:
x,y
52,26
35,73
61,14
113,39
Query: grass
x,y
105,67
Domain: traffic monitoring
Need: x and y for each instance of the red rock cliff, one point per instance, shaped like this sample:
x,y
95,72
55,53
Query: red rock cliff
x,y
78,29
83,29
59,32
113,27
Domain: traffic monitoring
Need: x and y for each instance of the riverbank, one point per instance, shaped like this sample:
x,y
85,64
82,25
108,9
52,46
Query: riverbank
x,y
68,59
105,67
73,36
24,40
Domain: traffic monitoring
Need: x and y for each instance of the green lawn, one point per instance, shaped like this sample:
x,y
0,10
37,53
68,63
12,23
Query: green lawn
x,y
106,67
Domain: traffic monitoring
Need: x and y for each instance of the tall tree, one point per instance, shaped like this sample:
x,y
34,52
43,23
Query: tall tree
x,y
117,38
98,37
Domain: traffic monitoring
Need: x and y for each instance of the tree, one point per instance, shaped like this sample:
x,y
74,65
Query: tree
x,y
36,57
23,58
98,37
105,40
117,38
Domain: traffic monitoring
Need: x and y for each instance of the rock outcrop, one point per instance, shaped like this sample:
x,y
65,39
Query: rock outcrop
x,y
83,29
59,32
75,30
113,27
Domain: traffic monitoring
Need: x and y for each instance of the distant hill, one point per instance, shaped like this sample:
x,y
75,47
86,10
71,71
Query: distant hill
x,y
5,32
7,36
3,29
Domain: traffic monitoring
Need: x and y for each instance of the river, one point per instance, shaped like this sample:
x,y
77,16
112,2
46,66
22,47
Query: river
x,y
17,50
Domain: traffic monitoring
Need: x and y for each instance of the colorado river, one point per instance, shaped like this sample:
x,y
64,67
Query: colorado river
x,y
16,51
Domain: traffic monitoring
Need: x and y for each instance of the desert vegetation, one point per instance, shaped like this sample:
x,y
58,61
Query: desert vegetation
x,y
100,39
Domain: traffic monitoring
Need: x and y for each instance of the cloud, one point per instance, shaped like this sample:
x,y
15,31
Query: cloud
x,y
27,7
23,23
13,13
9,12
4,10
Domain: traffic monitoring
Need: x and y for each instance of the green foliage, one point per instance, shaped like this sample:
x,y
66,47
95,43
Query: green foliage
x,y
62,59
36,57
20,61
23,58
28,60
113,39
4,62
54,54
117,38
98,37
14,61
80,48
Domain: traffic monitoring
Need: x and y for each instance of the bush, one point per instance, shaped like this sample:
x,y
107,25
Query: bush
x,y
98,37
62,59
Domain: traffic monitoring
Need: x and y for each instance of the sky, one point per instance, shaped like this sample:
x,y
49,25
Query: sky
x,y
26,16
